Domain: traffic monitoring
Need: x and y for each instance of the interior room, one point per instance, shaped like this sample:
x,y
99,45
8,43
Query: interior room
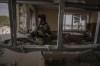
x,y
49,33
79,25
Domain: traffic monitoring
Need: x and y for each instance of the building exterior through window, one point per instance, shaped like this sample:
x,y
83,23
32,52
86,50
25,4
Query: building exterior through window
x,y
75,22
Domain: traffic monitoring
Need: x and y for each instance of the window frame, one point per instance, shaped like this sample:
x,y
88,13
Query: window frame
x,y
39,48
87,20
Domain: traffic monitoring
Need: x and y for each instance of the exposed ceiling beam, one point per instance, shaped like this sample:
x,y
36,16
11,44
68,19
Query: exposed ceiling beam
x,y
86,6
36,1
83,6
31,1
3,1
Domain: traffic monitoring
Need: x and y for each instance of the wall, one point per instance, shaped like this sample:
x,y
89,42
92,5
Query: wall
x,y
93,17
52,17
91,26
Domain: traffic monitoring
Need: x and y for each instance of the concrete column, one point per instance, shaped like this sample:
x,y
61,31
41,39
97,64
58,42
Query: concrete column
x,y
97,32
60,23
12,16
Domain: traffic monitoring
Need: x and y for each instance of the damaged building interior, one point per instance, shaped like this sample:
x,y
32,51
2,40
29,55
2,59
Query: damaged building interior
x,y
69,35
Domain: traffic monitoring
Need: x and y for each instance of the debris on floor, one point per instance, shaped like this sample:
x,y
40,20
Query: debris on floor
x,y
84,58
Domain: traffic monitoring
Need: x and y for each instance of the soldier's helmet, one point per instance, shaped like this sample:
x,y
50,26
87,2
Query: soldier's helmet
x,y
42,16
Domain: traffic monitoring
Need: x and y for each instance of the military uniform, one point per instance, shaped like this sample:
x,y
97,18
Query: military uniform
x,y
43,34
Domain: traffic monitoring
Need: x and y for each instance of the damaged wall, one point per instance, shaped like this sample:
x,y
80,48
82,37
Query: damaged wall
x,y
25,18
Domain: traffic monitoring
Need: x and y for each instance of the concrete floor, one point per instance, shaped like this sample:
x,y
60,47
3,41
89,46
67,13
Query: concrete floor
x,y
85,58
12,58
9,58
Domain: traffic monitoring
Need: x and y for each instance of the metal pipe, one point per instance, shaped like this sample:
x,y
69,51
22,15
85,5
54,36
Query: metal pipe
x,y
60,23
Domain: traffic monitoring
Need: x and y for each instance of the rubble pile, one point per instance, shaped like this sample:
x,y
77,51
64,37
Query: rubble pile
x,y
84,58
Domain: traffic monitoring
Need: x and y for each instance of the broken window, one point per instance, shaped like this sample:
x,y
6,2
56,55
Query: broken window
x,y
4,22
